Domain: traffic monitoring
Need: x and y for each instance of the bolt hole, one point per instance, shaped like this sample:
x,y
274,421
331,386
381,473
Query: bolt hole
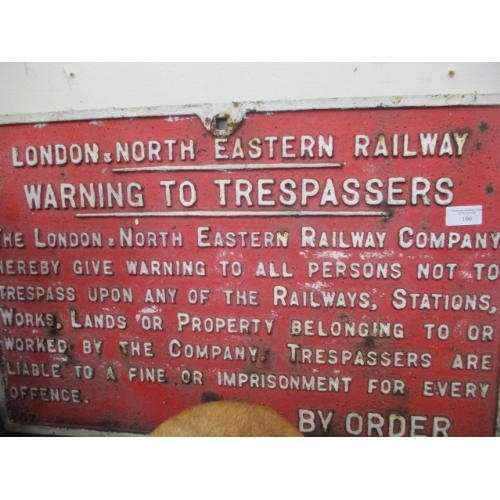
x,y
221,123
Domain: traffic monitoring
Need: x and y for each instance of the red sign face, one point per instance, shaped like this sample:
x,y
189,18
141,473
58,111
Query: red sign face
x,y
339,266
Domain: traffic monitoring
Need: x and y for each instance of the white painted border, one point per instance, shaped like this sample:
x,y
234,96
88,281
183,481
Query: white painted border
x,y
237,111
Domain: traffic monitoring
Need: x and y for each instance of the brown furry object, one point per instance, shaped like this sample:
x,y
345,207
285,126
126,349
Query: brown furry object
x,y
225,419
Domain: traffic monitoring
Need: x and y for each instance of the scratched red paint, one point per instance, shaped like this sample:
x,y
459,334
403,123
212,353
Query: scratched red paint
x,y
417,380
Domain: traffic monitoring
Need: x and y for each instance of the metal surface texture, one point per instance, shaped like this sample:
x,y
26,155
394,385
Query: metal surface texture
x,y
336,260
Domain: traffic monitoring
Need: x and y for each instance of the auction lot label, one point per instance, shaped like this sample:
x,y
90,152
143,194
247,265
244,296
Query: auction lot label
x,y
338,265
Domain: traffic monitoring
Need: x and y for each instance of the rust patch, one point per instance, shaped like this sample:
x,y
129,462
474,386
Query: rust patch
x,y
208,396
53,330
388,214
110,374
123,350
223,125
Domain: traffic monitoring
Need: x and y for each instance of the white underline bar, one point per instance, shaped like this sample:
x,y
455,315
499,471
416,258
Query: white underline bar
x,y
209,213
228,166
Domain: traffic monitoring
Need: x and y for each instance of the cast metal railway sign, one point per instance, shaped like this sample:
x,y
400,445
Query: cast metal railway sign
x,y
334,260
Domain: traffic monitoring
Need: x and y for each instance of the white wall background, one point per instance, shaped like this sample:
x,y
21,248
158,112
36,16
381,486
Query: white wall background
x,y
49,87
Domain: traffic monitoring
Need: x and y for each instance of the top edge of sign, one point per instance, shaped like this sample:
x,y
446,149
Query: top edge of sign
x,y
238,110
